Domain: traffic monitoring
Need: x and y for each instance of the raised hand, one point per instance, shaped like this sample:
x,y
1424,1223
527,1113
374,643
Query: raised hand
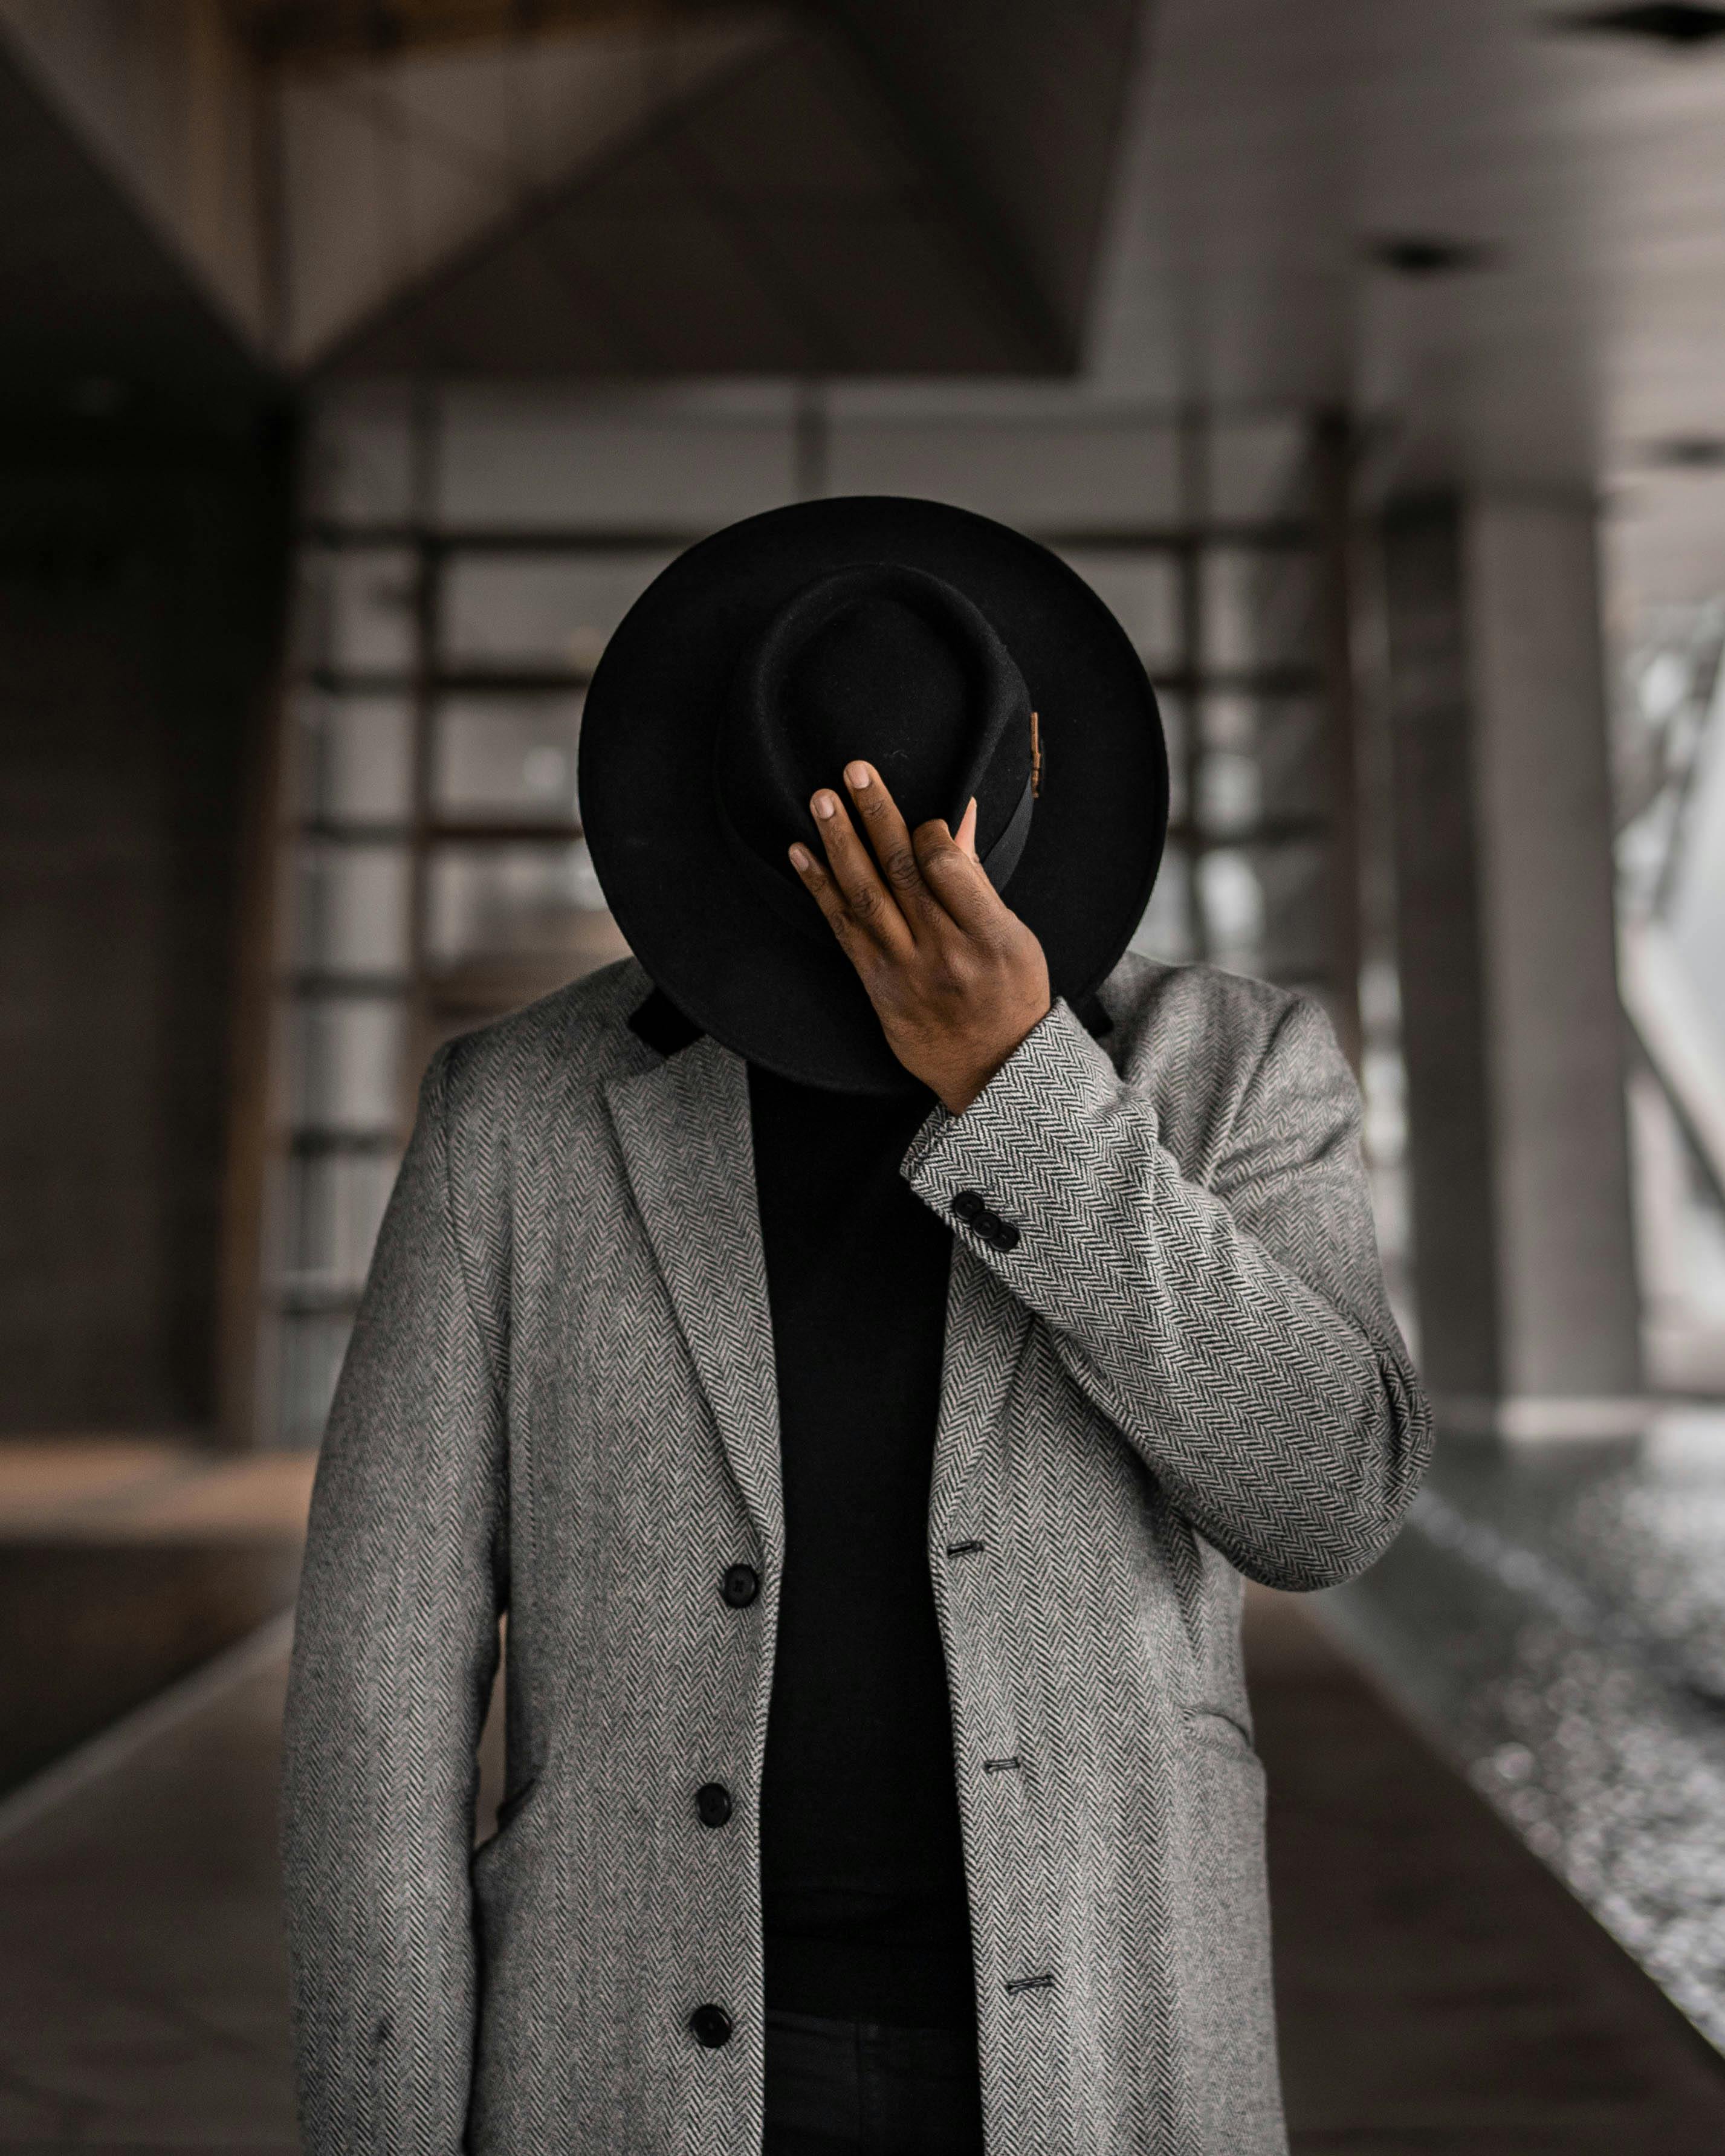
x,y
956,978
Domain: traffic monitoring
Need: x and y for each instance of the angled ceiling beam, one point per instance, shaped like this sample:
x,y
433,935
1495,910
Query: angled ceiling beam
x,y
831,203
316,34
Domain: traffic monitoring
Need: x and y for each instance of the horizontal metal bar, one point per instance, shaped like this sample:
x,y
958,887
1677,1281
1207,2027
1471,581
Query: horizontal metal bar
x,y
1287,679
307,1302
467,831
1270,535
335,831
450,681
1268,831
1284,681
480,539
332,987
312,1143
501,831
1276,535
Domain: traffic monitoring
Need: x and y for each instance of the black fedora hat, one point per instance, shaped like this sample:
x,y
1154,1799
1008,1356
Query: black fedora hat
x,y
922,638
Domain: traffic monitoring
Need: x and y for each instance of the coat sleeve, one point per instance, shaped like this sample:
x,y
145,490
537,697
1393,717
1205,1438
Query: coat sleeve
x,y
1236,1333
394,1651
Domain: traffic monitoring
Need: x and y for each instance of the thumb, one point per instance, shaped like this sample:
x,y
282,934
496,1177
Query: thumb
x,y
965,836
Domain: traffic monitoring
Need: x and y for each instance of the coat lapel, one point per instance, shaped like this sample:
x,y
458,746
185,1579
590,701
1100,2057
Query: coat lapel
x,y
684,1128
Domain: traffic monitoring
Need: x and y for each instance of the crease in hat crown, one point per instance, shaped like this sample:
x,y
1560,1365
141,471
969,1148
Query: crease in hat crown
x,y
763,768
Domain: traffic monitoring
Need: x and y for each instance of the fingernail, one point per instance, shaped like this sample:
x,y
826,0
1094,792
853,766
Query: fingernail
x,y
799,858
858,774
825,804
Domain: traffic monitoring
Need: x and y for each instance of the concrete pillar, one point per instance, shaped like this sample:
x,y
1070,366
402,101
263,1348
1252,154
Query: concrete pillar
x,y
1522,1229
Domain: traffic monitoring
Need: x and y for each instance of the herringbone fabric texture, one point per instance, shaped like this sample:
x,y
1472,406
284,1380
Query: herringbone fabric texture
x,y
560,1398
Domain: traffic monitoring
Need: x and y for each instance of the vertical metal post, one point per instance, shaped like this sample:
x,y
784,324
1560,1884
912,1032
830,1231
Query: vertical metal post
x,y
1333,458
425,446
811,446
1192,447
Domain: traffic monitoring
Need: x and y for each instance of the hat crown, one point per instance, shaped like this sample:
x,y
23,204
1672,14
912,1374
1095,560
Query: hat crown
x,y
890,664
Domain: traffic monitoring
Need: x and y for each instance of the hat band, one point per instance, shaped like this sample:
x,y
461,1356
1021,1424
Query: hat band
x,y
794,907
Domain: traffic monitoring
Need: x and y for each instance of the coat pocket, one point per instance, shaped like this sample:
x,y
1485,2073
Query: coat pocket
x,y
1226,2003
484,1857
511,1805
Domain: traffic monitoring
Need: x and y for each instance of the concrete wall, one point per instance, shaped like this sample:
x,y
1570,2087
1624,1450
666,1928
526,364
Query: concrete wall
x,y
1512,1027
138,585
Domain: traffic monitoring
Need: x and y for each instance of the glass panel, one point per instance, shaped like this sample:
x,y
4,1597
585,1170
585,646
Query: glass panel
x,y
1258,469
346,1062
1165,931
1174,711
538,610
1228,794
1292,757
512,900
357,610
311,1352
1257,607
507,756
352,910
355,758
359,457
1230,724
1295,899
1142,593
1233,902
1040,474
515,460
335,1204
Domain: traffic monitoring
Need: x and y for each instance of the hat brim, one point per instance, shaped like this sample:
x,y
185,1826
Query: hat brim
x,y
792,1002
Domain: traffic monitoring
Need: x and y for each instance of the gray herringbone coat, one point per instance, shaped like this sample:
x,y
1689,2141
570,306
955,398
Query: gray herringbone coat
x,y
560,1398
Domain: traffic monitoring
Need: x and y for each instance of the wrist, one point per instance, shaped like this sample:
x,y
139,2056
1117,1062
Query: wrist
x,y
956,1097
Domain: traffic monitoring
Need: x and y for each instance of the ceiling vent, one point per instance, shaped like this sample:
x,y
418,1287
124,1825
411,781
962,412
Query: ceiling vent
x,y
1426,254
1663,23
1688,453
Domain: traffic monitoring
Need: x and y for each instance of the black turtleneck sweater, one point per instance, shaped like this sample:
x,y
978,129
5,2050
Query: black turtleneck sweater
x,y
862,1871
863,1902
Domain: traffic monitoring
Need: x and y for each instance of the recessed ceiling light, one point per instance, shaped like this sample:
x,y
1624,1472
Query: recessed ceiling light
x,y
1425,254
1663,22
1689,453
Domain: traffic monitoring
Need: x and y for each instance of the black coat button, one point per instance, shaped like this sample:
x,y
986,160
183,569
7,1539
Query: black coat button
x,y
969,1205
1000,1233
712,1800
711,2026
741,1584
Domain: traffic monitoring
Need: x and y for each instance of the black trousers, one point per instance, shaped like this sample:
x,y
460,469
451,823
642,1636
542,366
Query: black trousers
x,y
867,2089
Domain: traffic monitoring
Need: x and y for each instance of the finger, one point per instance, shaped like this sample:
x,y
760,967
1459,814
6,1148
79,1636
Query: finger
x,y
965,836
957,878
887,834
829,898
867,899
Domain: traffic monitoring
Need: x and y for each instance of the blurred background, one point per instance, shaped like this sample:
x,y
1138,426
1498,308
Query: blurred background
x,y
360,362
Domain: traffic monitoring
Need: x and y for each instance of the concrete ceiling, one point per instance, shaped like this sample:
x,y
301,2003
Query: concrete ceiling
x,y
612,187
95,305
1579,179
1497,239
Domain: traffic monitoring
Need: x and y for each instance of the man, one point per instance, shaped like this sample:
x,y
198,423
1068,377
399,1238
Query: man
x,y
861,1341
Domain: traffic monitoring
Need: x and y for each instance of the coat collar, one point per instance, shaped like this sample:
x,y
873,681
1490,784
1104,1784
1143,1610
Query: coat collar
x,y
683,1126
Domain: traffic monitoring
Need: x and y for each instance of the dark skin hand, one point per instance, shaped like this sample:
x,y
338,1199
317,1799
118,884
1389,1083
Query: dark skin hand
x,y
956,978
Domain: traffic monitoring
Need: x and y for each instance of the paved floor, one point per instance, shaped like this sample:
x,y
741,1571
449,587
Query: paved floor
x,y
1555,1615
125,1563
1440,1992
